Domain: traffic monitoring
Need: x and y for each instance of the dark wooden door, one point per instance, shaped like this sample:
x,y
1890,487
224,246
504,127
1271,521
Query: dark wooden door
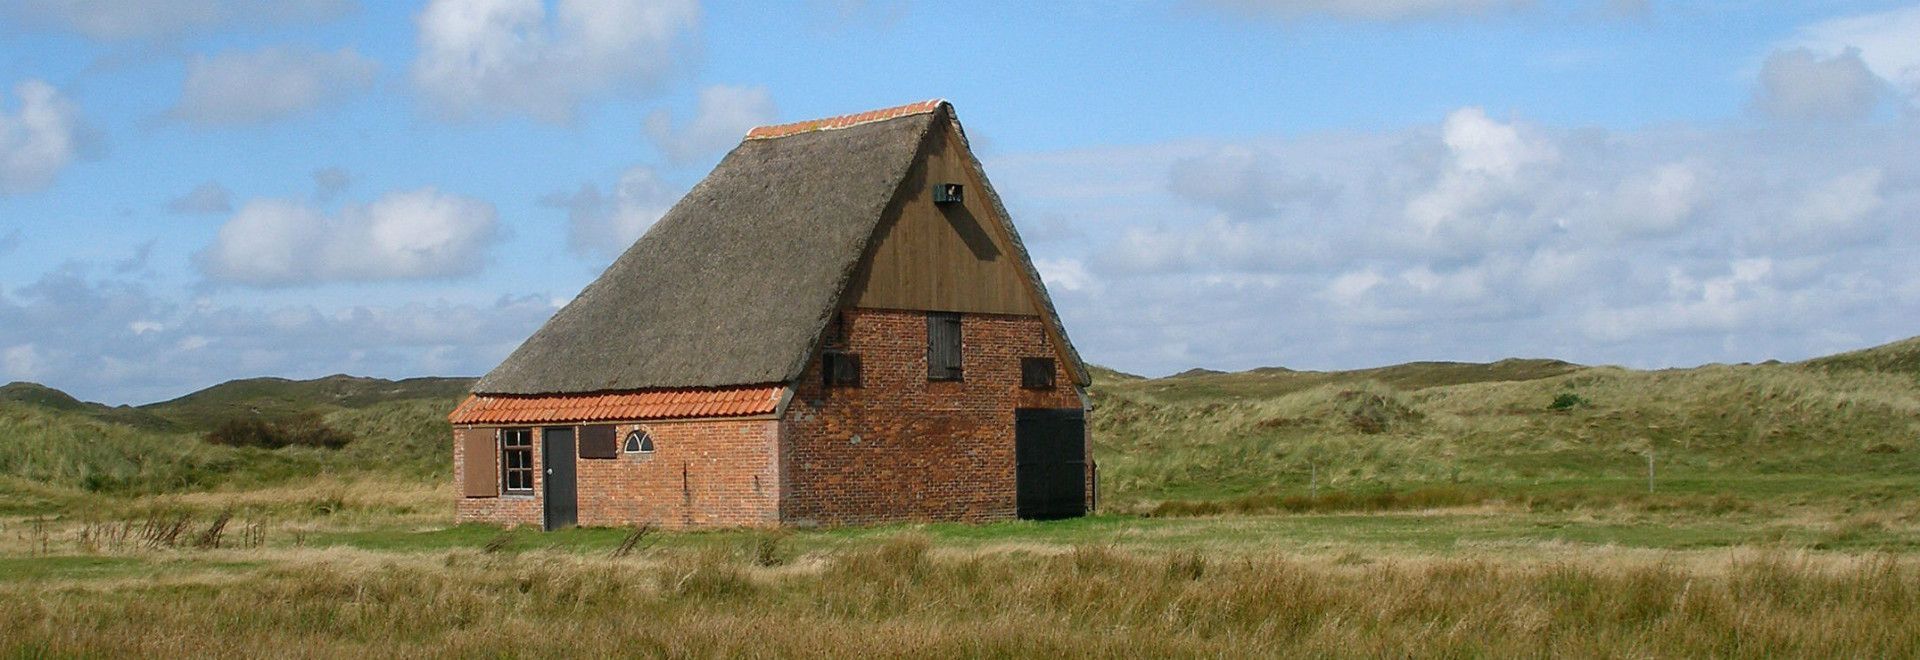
x,y
562,493
1049,446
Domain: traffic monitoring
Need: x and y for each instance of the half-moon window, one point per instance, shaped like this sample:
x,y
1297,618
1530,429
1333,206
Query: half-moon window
x,y
638,442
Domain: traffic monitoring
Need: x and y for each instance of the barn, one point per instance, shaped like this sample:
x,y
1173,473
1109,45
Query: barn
x,y
838,325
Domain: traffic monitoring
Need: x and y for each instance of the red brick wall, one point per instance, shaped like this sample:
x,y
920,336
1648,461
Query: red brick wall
x,y
508,510
700,474
901,447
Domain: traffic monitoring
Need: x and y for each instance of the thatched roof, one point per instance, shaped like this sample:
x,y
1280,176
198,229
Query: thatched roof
x,y
734,285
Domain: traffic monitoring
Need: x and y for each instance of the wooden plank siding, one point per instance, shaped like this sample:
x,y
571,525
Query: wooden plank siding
x,y
943,257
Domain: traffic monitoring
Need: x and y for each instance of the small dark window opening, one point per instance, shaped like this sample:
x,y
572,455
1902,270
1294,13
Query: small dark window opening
x,y
948,193
1036,373
839,369
638,442
599,441
837,331
943,346
516,460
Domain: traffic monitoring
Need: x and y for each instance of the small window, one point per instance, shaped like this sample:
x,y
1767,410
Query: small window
x,y
837,331
638,442
1036,373
943,346
516,460
839,369
598,441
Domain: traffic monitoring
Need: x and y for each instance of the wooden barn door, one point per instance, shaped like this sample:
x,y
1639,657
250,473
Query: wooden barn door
x,y
562,494
1049,447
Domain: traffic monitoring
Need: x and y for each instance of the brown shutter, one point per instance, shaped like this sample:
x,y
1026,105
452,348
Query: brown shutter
x,y
480,463
599,441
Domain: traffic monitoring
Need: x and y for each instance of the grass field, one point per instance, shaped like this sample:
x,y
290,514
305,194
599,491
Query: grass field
x,y
1423,509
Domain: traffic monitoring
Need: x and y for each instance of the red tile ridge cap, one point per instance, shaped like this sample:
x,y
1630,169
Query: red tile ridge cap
x,y
844,121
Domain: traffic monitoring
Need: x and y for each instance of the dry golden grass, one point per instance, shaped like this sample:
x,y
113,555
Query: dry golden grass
x,y
900,598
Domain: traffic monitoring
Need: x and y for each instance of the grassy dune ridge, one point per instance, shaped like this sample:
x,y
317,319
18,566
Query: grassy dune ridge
x,y
1423,509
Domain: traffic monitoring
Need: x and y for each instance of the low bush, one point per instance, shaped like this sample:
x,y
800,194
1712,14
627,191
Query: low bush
x,y
1568,401
301,432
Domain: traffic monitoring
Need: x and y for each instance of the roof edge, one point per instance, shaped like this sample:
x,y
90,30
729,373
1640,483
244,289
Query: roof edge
x,y
844,121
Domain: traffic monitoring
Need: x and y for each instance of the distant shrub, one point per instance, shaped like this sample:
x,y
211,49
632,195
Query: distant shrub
x,y
1568,401
1372,412
303,432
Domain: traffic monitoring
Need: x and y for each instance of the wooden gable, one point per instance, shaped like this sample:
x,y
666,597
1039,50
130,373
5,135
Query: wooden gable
x,y
949,257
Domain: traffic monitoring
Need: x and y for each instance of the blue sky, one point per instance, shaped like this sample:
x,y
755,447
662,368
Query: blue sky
x,y
199,190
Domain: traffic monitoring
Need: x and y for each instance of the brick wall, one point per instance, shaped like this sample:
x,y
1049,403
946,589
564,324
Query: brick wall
x,y
901,447
700,474
719,473
507,510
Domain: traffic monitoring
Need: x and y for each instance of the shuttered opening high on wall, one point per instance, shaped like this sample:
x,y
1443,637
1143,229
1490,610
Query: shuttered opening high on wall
x,y
480,463
598,441
943,346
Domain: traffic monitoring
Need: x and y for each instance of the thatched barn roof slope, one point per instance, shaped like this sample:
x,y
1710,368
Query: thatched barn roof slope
x,y
733,283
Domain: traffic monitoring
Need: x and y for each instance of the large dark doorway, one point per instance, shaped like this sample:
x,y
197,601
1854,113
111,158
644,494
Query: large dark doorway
x,y
562,494
1050,449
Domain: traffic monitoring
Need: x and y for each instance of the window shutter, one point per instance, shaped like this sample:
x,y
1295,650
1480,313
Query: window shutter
x,y
1036,373
480,467
943,346
838,369
599,441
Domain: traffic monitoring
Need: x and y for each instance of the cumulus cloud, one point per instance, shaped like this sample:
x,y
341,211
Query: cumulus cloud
x,y
1481,237
414,234
493,57
604,224
1365,10
270,84
207,198
1884,40
112,20
40,135
113,339
721,119
1798,84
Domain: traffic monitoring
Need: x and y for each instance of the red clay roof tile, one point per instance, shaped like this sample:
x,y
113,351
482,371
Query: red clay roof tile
x,y
621,407
843,121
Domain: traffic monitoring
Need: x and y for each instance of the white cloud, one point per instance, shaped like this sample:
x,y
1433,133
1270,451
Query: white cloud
x,y
1656,202
209,197
415,234
1065,275
1479,238
1885,41
1839,211
721,119
38,139
21,362
1798,84
1365,10
114,340
602,225
1479,198
266,85
492,57
146,19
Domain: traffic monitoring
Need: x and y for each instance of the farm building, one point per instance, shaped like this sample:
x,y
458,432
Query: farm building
x,y
839,325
